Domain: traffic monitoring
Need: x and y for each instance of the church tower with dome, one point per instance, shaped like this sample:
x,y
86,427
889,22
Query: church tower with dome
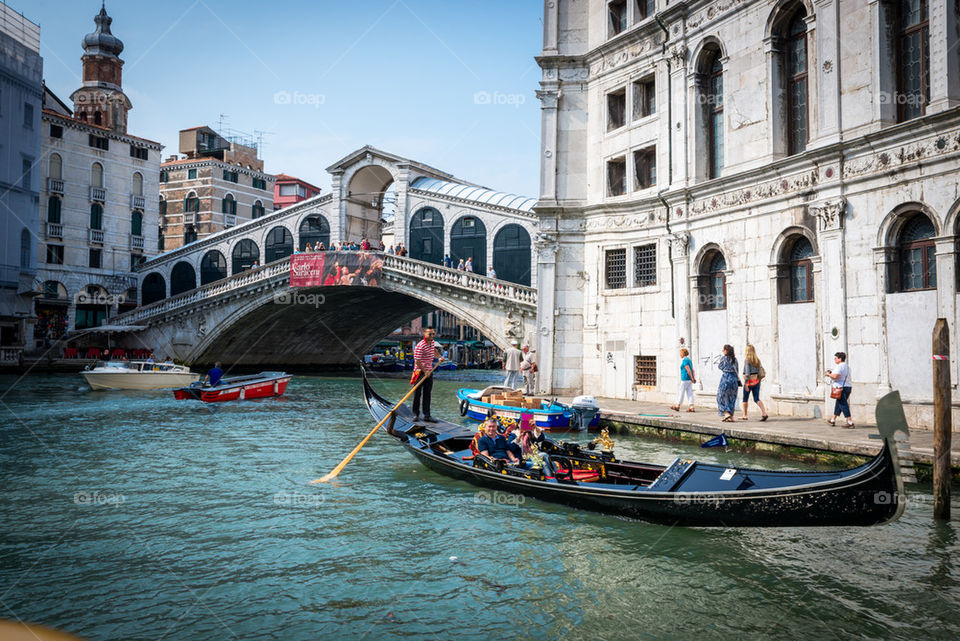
x,y
101,101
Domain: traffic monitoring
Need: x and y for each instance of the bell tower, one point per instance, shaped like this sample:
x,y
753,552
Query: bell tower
x,y
101,101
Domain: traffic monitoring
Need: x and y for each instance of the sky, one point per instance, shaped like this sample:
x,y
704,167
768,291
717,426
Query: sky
x,y
450,83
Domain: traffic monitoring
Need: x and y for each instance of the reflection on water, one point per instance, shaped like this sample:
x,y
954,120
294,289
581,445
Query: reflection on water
x,y
132,516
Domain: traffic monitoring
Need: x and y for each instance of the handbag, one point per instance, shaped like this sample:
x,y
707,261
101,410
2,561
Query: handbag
x,y
762,373
836,392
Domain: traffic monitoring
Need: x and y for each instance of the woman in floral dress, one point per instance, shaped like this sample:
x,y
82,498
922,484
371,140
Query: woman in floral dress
x,y
729,382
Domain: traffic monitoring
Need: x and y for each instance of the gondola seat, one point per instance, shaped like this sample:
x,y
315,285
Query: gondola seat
x,y
581,476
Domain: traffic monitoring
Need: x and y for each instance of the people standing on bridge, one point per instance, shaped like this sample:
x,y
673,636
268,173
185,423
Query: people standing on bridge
x,y
390,250
423,355
308,249
461,266
380,246
447,261
511,363
214,375
365,245
320,247
529,369
491,272
469,264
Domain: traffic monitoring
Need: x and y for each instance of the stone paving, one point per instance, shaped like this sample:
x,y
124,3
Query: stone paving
x,y
782,430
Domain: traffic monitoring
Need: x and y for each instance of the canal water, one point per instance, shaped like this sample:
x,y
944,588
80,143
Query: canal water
x,y
133,516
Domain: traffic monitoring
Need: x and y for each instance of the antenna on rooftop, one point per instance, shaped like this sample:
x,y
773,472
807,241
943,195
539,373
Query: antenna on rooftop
x,y
223,118
259,134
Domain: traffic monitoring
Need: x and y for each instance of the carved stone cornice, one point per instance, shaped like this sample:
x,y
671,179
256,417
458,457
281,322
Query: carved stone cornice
x,y
829,214
680,243
547,246
548,98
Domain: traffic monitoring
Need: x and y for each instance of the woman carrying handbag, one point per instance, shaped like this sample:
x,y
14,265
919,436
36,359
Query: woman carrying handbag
x,y
841,388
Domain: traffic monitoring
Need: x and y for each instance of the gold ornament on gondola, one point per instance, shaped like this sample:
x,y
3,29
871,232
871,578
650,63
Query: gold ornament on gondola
x,y
535,458
604,441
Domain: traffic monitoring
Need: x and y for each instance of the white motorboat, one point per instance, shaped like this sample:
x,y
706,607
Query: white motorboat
x,y
140,375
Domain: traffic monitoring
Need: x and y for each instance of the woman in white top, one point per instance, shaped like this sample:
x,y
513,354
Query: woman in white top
x,y
841,380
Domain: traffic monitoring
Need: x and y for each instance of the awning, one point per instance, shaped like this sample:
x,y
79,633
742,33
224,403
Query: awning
x,y
105,329
388,344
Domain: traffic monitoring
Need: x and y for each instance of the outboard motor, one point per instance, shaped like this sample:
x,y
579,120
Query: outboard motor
x,y
582,412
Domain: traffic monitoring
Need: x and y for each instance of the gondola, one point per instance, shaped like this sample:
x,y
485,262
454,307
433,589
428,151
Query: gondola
x,y
686,492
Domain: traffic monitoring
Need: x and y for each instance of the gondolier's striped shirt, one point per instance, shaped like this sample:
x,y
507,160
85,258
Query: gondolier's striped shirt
x,y
423,355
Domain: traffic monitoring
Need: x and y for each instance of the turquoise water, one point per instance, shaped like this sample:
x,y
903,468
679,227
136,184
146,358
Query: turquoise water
x,y
134,516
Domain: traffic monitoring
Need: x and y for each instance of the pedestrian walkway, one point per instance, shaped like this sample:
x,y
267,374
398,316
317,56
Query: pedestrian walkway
x,y
812,433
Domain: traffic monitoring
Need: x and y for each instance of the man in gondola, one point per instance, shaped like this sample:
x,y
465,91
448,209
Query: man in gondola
x,y
493,445
423,355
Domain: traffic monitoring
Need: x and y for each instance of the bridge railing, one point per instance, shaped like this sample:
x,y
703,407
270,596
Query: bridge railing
x,y
457,277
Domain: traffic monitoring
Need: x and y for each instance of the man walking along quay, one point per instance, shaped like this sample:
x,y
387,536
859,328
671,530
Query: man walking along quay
x,y
423,355
511,363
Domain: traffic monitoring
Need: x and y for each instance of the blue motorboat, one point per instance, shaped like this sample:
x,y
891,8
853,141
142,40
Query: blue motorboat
x,y
549,415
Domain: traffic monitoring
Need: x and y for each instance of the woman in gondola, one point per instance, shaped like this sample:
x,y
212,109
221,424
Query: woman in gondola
x,y
729,382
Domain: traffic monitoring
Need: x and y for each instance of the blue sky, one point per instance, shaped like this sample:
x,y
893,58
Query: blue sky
x,y
447,82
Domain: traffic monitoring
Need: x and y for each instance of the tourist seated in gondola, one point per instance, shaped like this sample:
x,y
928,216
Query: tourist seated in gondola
x,y
493,445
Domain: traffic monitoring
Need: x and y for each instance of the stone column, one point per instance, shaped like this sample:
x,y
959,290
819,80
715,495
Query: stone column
x,y
549,97
339,205
832,282
546,252
944,61
947,293
680,244
882,257
550,26
826,40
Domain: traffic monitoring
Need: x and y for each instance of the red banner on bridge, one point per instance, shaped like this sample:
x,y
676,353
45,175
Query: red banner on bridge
x,y
326,269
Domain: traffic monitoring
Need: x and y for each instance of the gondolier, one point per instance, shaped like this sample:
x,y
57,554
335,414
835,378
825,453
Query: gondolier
x,y
423,355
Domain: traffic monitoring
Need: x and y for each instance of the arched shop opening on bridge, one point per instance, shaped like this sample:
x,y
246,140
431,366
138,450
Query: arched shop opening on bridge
x,y
183,278
365,203
426,236
468,239
279,244
314,230
213,267
511,254
154,288
245,255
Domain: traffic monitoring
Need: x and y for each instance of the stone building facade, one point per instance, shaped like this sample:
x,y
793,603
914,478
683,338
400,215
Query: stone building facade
x,y
778,173
217,184
98,217
21,76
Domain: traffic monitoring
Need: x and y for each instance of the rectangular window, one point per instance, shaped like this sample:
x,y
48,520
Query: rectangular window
x,y
645,168
135,261
28,115
645,9
618,16
163,176
616,177
645,265
55,254
56,131
139,152
615,268
26,175
913,59
231,176
645,371
191,174
95,258
286,190
616,109
258,183
99,142
644,98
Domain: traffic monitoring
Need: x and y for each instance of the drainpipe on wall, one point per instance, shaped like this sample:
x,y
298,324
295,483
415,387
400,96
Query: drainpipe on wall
x,y
666,34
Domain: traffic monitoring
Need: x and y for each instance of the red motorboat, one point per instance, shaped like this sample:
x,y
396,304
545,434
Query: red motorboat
x,y
237,388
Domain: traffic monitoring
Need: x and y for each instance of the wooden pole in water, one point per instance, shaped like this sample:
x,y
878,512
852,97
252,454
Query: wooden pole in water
x,y
941,420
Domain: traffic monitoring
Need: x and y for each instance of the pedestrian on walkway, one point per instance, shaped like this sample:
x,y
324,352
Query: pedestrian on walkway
x,y
511,363
491,272
461,266
447,261
729,382
469,264
687,379
840,389
753,373
529,369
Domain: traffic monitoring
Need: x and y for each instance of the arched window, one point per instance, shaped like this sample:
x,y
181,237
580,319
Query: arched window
x,y
182,278
711,91
137,184
191,203
213,267
801,270
916,254
795,76
154,288
468,239
912,58
279,244
713,282
426,236
53,210
26,248
96,216
163,206
97,118
228,205
56,167
96,175
189,235
160,239
511,254
245,254
313,230
257,209
136,223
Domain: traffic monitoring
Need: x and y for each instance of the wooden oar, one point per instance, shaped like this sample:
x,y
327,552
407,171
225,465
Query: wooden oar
x,y
339,468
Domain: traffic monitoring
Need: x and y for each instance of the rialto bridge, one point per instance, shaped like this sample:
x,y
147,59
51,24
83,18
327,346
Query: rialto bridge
x,y
230,293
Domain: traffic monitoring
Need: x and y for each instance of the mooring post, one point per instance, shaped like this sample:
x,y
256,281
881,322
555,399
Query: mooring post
x,y
941,420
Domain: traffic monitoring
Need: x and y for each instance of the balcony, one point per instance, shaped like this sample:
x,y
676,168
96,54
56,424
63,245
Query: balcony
x,y
229,220
96,236
137,202
98,194
55,230
55,186
136,242
190,218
